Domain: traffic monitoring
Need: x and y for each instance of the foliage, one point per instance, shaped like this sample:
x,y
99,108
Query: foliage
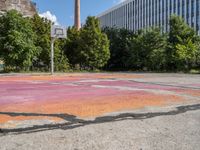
x,y
72,49
17,41
182,45
150,49
120,44
42,28
60,59
186,52
94,45
197,54
147,52
89,47
136,51
25,45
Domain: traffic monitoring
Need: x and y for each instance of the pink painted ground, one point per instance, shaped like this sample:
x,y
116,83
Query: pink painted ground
x,y
84,95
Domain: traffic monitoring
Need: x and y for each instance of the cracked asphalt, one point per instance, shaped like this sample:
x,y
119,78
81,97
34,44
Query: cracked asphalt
x,y
120,111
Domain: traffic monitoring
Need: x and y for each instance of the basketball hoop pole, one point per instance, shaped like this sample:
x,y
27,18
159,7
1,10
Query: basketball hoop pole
x,y
57,32
52,55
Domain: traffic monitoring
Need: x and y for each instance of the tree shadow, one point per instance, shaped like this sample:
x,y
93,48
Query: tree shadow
x,y
74,122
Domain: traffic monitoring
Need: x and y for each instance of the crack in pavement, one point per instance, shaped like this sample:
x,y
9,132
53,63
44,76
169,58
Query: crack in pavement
x,y
74,122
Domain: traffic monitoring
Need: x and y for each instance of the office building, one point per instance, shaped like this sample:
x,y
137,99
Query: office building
x,y
140,14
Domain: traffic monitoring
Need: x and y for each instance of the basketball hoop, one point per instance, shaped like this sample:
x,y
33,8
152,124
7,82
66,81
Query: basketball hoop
x,y
57,32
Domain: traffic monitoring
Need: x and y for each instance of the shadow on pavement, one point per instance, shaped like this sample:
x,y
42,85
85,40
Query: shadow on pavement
x,y
74,122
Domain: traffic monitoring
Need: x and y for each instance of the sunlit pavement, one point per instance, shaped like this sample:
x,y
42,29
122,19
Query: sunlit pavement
x,y
34,102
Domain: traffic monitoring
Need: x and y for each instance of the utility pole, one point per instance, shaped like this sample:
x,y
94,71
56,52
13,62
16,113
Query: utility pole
x,y
77,14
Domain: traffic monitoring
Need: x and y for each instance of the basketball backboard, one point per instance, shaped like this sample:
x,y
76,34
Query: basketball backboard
x,y
58,31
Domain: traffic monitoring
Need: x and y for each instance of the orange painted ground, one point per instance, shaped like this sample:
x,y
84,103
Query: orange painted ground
x,y
81,95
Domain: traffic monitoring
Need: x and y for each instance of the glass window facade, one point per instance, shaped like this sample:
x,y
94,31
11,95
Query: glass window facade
x,y
140,14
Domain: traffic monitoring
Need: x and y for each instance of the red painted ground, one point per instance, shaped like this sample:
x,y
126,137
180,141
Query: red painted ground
x,y
82,95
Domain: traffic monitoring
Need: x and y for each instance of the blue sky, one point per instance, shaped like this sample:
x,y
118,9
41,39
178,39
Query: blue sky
x,y
62,11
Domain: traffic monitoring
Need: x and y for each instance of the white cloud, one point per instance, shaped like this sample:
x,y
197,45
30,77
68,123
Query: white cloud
x,y
50,17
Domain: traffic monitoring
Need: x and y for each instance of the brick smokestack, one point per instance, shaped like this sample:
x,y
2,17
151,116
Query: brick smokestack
x,y
77,20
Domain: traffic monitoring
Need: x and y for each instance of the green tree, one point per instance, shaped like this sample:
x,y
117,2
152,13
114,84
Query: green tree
x,y
60,59
17,41
148,50
87,48
94,45
186,52
72,47
182,49
198,54
120,44
42,27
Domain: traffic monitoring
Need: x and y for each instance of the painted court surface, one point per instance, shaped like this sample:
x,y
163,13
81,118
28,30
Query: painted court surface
x,y
37,99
